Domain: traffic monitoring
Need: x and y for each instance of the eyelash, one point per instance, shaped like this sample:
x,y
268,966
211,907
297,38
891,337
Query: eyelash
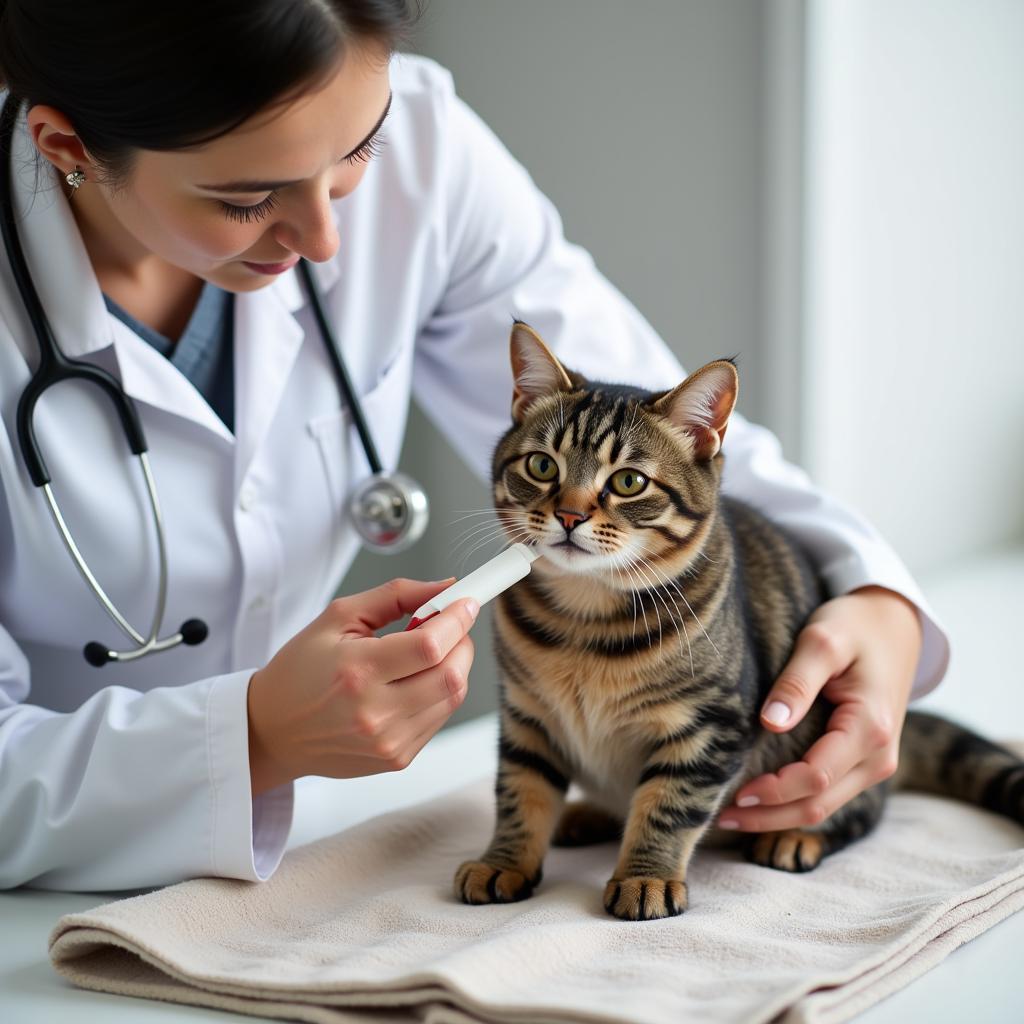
x,y
247,214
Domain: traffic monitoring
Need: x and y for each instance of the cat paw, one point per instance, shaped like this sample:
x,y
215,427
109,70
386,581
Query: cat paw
x,y
583,824
645,899
791,850
478,883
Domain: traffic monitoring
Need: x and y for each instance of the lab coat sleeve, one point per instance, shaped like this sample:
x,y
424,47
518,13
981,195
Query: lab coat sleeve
x,y
131,790
507,258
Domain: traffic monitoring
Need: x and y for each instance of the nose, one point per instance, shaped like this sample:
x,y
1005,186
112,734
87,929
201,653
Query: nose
x,y
311,232
569,518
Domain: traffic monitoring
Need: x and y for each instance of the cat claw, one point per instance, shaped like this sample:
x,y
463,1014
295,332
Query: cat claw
x,y
791,850
478,883
645,899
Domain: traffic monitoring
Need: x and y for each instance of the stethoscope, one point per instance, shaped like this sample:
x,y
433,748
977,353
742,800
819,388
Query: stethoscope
x,y
388,510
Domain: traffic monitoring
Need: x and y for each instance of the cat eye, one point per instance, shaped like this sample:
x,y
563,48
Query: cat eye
x,y
542,467
627,482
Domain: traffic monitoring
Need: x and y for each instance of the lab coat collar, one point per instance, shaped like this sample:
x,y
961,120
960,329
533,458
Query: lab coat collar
x,y
70,293
271,339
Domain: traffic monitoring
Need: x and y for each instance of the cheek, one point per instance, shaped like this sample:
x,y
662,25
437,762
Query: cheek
x,y
182,232
523,491
208,233
346,179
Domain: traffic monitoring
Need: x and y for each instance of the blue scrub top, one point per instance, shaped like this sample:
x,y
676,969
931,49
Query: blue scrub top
x,y
204,353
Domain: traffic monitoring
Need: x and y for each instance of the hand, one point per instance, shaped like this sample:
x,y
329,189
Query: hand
x,y
339,701
860,651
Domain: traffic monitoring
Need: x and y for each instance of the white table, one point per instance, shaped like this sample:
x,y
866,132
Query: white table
x,y
980,982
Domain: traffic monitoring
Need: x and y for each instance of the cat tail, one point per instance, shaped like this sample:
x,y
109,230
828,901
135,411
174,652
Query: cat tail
x,y
939,756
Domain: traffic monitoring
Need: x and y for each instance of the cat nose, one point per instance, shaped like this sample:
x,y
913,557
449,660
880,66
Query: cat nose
x,y
570,519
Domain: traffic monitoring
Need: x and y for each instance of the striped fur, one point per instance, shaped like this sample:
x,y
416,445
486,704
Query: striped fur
x,y
635,664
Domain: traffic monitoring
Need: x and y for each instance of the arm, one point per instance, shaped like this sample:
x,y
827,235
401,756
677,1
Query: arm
x,y
507,258
134,790
131,789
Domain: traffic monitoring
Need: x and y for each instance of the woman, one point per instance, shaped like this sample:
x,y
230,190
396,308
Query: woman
x,y
171,163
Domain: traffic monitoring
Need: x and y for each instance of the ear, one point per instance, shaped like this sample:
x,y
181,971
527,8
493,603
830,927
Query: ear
x,y
536,371
702,404
55,138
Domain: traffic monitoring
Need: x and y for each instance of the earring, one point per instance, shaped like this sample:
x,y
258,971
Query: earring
x,y
74,179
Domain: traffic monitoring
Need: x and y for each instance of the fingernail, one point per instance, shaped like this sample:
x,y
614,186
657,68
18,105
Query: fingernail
x,y
748,801
728,823
473,607
777,713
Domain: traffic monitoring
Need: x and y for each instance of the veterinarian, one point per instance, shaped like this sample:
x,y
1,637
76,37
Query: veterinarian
x,y
168,166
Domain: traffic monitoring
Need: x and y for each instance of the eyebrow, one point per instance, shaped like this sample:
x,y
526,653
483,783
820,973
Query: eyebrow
x,y
271,186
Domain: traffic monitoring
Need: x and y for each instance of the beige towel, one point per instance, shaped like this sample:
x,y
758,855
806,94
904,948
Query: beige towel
x,y
366,919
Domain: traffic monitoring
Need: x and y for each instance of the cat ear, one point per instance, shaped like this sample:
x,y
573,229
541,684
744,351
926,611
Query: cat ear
x,y
535,369
702,404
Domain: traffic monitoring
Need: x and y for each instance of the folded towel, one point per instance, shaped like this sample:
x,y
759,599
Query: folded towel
x,y
363,926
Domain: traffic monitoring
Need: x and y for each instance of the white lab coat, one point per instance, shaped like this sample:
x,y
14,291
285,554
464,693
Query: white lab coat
x,y
137,775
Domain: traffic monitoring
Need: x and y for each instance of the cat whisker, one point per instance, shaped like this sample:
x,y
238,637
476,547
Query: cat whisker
x,y
486,532
499,521
631,569
474,528
470,512
663,594
632,590
522,534
657,611
682,617
675,586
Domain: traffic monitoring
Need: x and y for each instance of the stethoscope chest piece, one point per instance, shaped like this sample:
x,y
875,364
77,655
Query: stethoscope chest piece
x,y
389,512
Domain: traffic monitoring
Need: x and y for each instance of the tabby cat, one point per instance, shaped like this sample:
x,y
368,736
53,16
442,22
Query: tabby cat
x,y
635,657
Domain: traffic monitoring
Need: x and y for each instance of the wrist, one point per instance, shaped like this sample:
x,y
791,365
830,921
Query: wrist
x,y
894,606
265,768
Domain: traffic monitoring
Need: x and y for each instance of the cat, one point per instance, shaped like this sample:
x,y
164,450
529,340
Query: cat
x,y
636,656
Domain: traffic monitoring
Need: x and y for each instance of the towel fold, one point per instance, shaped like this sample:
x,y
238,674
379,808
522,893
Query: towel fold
x,y
363,926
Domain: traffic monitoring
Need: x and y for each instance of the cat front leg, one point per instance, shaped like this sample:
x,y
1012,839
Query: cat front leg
x,y
531,786
671,808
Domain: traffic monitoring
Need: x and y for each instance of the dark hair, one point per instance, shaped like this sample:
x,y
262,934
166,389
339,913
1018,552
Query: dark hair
x,y
169,74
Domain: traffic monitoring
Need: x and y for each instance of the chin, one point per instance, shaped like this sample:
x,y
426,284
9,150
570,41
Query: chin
x,y
578,561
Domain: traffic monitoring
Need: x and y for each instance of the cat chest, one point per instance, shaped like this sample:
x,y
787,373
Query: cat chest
x,y
584,703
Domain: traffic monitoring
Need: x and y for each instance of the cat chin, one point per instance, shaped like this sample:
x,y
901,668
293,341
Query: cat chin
x,y
578,562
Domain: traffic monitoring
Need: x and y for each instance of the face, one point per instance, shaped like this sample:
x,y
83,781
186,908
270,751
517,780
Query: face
x,y
243,208
605,479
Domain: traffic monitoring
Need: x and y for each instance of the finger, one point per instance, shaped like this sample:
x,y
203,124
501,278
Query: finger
x,y
373,609
396,754
793,782
399,655
833,755
803,813
443,684
415,733
395,711
428,724
819,655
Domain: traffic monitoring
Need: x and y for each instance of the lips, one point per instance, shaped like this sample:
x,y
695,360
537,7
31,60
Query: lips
x,y
272,268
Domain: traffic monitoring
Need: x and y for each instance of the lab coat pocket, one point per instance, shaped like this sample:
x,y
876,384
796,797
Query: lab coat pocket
x,y
344,461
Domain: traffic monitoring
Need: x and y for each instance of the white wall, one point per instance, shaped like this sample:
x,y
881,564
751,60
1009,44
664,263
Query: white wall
x,y
914,341
643,123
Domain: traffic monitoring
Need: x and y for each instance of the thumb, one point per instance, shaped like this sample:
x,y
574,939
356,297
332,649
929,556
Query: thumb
x,y
813,663
379,607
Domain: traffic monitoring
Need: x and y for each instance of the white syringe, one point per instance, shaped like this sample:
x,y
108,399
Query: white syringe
x,y
483,584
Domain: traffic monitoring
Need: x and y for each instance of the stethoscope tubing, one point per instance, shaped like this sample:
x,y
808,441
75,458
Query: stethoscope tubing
x,y
390,511
340,370
55,367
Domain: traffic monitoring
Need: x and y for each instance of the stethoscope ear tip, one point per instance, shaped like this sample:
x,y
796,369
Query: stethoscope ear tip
x,y
194,631
96,654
